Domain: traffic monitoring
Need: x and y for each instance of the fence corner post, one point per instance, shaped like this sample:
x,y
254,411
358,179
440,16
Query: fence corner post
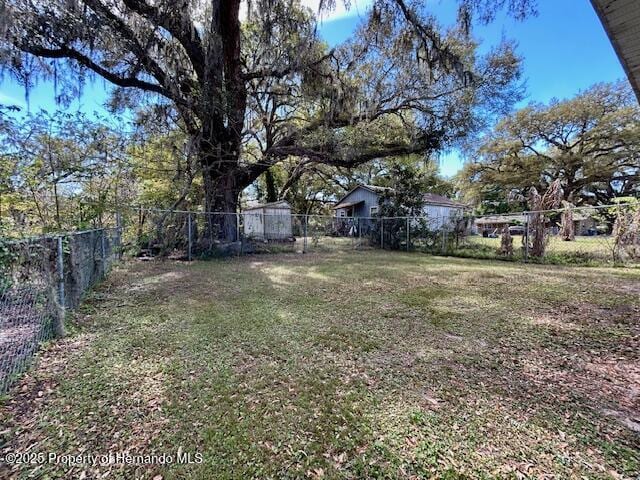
x,y
58,320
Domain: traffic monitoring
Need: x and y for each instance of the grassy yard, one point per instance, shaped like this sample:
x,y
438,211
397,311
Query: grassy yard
x,y
597,250
352,365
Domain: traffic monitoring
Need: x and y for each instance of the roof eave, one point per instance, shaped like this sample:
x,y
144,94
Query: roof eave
x,y
632,75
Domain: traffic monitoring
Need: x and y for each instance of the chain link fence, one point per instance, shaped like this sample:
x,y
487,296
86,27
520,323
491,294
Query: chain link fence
x,y
602,235
40,278
597,235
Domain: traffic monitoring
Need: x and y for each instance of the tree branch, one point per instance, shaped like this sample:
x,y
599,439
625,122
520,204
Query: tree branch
x,y
70,53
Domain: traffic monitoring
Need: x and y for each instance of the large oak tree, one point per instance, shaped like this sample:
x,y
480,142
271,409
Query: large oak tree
x,y
251,89
591,143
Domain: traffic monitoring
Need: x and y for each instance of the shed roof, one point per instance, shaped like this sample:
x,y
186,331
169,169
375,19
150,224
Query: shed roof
x,y
280,204
620,19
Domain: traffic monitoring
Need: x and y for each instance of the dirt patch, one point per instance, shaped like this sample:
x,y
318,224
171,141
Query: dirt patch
x,y
586,313
555,322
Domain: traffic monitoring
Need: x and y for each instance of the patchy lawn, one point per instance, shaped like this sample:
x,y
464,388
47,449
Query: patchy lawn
x,y
585,251
355,365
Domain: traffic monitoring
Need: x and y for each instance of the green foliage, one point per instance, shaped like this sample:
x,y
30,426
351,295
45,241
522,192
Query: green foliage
x,y
60,171
406,181
164,177
64,171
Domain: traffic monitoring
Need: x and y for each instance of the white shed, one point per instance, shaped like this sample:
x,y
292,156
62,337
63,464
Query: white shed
x,y
269,221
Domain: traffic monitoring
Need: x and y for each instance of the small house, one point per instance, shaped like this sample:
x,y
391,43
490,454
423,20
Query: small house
x,y
441,210
364,201
268,221
361,201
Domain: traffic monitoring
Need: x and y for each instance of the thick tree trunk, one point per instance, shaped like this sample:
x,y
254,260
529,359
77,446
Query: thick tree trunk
x,y
222,187
270,182
224,107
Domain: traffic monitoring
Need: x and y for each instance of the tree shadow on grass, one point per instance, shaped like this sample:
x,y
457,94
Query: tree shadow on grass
x,y
362,366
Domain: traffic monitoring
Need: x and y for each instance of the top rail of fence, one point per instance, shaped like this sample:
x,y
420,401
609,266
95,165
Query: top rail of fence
x,y
505,214
54,236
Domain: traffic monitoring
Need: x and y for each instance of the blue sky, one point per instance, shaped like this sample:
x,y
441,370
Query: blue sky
x,y
565,50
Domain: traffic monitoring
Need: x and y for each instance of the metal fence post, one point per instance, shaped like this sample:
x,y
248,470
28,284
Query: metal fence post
x,y
139,233
60,273
359,234
189,236
237,227
446,239
119,234
103,252
304,241
382,233
407,234
443,238
526,237
58,324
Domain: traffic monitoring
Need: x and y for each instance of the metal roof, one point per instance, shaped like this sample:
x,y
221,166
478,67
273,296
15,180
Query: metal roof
x,y
280,204
372,188
435,199
621,20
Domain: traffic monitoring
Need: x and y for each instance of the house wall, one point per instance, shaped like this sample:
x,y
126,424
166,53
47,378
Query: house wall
x,y
440,215
363,210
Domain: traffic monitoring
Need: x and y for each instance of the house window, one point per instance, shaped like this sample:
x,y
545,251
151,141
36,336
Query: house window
x,y
343,213
373,211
